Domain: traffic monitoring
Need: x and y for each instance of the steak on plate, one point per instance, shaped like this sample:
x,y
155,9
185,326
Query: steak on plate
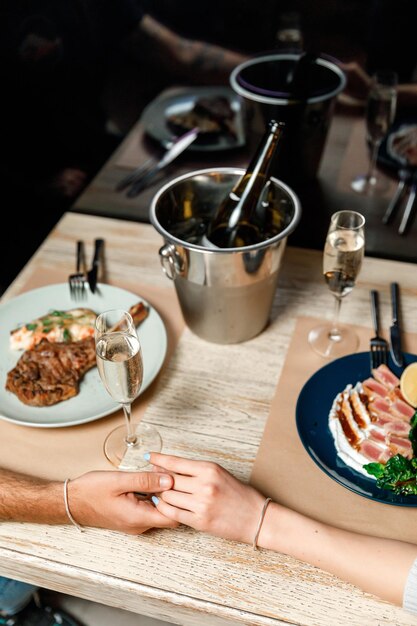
x,y
51,372
213,116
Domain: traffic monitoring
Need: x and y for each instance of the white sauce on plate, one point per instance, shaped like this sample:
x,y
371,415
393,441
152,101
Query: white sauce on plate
x,y
349,455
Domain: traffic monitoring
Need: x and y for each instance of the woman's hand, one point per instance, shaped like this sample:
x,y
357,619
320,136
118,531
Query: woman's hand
x,y
206,497
108,500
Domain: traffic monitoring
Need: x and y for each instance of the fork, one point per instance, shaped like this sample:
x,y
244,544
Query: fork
x,y
378,346
77,280
139,171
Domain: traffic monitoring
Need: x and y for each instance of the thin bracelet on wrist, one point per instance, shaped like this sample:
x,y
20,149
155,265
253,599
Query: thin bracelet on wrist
x,y
67,509
261,519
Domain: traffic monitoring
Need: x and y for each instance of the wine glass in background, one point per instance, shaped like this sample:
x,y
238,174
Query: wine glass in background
x,y
342,260
120,365
380,113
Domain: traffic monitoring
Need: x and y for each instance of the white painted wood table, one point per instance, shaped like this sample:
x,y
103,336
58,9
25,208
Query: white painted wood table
x,y
212,402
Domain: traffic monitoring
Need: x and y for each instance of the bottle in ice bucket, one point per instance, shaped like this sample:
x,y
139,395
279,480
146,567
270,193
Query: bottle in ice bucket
x,y
244,217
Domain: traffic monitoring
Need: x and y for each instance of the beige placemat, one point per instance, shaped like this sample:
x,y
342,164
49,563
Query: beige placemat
x,y
284,470
57,453
356,161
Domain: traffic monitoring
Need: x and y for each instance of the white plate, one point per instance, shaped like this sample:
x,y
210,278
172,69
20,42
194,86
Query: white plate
x,y
182,100
92,401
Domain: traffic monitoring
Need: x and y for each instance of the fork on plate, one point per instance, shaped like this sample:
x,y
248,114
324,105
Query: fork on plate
x,y
77,281
378,347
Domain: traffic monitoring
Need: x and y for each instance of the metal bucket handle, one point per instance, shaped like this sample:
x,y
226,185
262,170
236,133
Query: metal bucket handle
x,y
171,261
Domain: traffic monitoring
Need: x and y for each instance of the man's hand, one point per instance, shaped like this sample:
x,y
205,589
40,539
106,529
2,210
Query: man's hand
x,y
108,500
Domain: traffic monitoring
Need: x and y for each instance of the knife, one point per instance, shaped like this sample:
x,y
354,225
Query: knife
x,y
92,274
178,147
395,332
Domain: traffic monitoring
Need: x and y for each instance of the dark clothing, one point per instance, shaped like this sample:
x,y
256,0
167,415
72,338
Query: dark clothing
x,y
243,25
54,56
54,59
392,38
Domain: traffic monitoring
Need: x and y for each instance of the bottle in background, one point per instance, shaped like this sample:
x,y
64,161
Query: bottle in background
x,y
243,218
289,36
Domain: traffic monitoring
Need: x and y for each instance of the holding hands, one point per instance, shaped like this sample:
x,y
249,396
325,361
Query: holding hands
x,y
206,497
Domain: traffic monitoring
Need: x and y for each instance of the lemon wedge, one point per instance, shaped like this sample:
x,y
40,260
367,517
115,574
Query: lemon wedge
x,y
408,384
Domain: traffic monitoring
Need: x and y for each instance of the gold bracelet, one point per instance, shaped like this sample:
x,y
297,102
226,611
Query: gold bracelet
x,y
261,519
67,509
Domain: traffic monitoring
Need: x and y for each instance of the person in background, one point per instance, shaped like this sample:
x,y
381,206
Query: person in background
x,y
359,83
57,132
388,45
102,499
206,497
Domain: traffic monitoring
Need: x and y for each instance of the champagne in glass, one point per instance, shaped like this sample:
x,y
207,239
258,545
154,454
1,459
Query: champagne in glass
x,y
342,260
120,365
380,113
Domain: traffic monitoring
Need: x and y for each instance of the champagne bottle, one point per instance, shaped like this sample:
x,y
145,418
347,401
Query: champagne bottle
x,y
289,36
241,218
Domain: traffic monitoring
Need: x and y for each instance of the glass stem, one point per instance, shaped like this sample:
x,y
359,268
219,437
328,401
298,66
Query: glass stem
x,y
334,334
372,164
130,435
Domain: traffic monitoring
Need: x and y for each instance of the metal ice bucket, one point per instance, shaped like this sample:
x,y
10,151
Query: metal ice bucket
x,y
225,294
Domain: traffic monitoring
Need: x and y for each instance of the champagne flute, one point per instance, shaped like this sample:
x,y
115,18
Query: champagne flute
x,y
342,260
380,113
120,365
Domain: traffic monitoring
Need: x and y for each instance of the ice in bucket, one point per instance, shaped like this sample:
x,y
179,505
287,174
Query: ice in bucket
x,y
225,294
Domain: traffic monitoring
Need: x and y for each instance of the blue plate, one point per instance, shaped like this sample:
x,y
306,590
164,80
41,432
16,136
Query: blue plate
x,y
312,414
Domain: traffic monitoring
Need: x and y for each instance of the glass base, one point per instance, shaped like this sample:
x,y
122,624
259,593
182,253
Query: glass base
x,y
130,457
321,342
370,184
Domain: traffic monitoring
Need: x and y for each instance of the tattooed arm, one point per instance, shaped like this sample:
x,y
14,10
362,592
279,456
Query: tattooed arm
x,y
184,59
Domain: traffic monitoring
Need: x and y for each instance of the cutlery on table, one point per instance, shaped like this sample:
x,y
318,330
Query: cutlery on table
x,y
130,178
395,332
172,153
394,205
409,208
77,281
92,274
378,347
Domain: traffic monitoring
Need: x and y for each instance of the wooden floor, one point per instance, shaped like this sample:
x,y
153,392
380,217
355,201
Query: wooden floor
x,y
93,614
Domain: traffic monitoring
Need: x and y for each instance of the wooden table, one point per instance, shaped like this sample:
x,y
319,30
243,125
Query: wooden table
x,y
345,156
211,402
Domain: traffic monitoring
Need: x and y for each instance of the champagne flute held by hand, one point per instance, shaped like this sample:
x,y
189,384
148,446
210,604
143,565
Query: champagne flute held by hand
x,y
120,365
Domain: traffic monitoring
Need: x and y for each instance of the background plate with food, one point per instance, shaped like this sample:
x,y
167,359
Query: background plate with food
x,y
312,418
398,150
217,111
35,313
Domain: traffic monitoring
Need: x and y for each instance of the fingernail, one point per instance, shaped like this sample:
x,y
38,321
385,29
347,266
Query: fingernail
x,y
165,481
155,500
147,456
